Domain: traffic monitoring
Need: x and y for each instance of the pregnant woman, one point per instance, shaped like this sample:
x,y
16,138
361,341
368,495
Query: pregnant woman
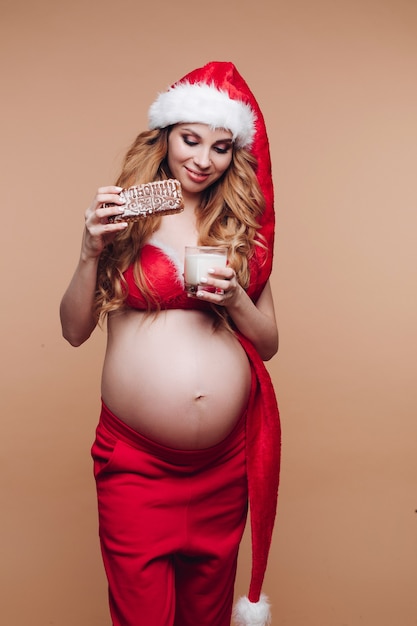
x,y
189,427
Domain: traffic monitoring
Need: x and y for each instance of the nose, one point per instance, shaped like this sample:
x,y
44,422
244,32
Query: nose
x,y
202,157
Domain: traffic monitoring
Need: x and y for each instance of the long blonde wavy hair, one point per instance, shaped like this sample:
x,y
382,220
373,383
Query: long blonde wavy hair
x,y
228,215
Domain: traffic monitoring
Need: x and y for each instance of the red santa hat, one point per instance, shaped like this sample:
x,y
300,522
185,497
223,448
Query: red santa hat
x,y
217,95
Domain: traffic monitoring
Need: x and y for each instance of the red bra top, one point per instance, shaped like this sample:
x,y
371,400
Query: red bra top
x,y
164,275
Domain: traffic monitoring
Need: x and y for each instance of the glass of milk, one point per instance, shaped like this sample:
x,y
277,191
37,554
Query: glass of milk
x,y
198,260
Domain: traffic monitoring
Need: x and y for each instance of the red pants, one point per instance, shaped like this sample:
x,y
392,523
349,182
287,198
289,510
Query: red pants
x,y
170,524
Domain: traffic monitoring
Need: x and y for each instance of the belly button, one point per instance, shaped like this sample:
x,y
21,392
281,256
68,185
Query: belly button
x,y
199,397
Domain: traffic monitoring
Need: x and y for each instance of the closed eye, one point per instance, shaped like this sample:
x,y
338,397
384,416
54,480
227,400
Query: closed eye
x,y
190,142
222,147
222,150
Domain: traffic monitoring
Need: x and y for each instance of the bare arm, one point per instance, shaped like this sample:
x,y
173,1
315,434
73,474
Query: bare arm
x,y
256,321
76,309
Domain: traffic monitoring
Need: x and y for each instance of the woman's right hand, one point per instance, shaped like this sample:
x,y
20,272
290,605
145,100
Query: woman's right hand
x,y
77,305
98,231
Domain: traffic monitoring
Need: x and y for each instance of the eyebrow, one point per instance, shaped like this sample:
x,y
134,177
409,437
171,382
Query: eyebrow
x,y
193,132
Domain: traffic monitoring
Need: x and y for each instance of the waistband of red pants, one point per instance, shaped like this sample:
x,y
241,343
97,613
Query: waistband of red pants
x,y
132,437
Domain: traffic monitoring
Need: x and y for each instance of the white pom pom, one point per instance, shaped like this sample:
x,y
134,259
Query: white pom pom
x,y
246,613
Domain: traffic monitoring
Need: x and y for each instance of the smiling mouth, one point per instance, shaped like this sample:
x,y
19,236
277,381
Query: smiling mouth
x,y
197,175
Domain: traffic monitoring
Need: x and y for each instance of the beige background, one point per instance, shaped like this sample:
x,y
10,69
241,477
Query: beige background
x,y
337,83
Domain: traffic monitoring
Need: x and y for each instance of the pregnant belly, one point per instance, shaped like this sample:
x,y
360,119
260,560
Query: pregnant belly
x,y
175,379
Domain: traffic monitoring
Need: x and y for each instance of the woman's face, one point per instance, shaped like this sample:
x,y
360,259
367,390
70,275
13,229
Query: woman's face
x,y
198,155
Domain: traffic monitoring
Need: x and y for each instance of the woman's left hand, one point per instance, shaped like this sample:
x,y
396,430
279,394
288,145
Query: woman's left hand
x,y
219,287
256,321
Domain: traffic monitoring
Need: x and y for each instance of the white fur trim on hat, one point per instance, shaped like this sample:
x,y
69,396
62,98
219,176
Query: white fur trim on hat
x,y
205,104
246,613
